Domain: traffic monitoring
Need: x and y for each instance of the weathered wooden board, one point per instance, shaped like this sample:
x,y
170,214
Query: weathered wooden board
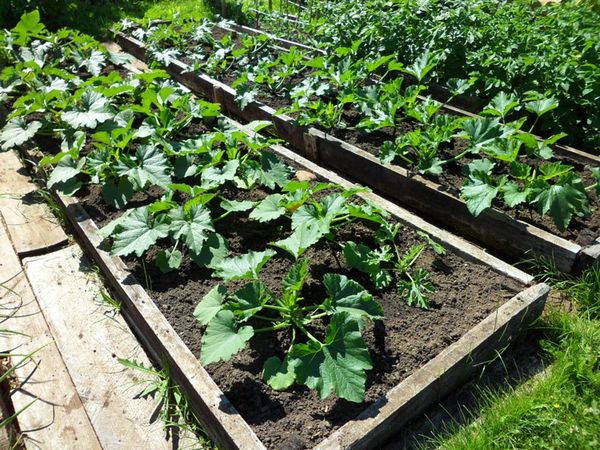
x,y
31,225
57,418
91,342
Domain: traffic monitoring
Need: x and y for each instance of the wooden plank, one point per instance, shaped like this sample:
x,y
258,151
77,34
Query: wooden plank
x,y
224,424
57,418
32,226
90,343
440,376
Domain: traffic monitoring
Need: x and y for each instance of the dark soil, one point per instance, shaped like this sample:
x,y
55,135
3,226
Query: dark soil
x,y
406,339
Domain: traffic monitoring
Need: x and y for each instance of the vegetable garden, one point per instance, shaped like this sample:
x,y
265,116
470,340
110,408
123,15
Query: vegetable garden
x,y
306,298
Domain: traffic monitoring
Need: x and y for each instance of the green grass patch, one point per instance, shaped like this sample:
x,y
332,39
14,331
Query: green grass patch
x,y
96,17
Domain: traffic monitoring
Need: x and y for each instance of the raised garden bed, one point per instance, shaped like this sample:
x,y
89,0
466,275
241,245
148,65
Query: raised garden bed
x,y
436,369
572,250
199,195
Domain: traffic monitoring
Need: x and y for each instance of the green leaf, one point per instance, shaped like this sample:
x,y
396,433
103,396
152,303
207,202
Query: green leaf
x,y
29,25
300,240
215,176
222,339
346,295
243,267
278,374
542,106
596,174
193,226
213,251
118,194
562,200
236,205
93,110
501,104
339,365
249,300
66,170
135,234
295,278
210,304
168,260
268,209
481,131
479,195
149,167
322,214
415,289
513,195
17,132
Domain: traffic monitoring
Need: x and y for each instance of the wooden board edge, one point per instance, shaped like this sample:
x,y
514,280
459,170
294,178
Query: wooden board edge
x,y
588,257
432,382
224,424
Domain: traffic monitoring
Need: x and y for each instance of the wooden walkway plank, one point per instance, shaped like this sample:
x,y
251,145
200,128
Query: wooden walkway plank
x,y
31,225
91,342
57,418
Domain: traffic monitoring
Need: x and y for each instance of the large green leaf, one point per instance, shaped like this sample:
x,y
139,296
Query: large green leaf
x,y
213,251
193,226
210,304
246,266
322,215
17,132
300,240
215,176
136,233
222,339
479,196
339,365
66,169
481,131
562,200
29,25
249,300
268,209
94,109
596,173
149,167
346,295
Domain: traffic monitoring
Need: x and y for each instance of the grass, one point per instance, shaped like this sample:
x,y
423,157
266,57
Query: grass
x,y
560,408
97,17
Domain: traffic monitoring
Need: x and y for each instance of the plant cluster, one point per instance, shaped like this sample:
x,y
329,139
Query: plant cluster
x,y
501,159
511,46
131,133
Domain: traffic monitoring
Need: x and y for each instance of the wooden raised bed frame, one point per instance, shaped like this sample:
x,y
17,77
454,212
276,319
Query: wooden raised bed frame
x,y
493,228
381,420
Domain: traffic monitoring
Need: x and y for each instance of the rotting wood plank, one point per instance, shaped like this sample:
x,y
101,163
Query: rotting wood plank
x,y
31,225
222,421
57,418
441,375
91,341
492,228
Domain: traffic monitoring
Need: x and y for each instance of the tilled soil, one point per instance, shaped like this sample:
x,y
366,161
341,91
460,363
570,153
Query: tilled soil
x,y
406,339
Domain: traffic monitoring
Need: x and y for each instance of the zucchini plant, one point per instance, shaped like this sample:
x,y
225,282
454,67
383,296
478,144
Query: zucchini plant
x,y
336,363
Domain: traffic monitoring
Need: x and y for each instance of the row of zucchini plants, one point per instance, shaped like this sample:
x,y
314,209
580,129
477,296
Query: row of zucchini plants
x,y
494,159
99,126
511,46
